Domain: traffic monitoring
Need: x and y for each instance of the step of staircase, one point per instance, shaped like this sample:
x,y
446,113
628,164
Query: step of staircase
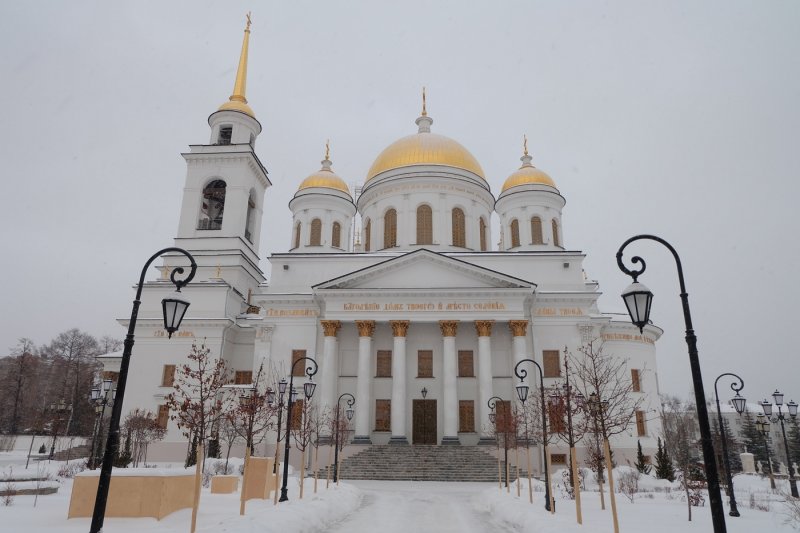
x,y
76,452
422,463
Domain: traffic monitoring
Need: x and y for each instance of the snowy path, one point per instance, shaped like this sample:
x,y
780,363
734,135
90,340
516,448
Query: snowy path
x,y
404,506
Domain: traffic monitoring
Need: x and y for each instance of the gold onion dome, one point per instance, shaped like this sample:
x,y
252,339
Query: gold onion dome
x,y
527,174
237,101
325,177
425,148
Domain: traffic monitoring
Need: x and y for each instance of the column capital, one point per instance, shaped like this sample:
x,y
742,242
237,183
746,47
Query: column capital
x,y
331,327
399,327
484,327
448,327
518,327
366,328
265,332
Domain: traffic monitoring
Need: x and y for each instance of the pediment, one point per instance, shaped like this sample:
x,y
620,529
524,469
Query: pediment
x,y
424,269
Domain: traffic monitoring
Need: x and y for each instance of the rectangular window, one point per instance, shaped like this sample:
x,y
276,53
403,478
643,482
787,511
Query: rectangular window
x,y
383,415
425,364
300,369
466,416
641,427
163,416
466,368
558,459
168,376
636,386
384,367
243,377
297,414
552,364
225,134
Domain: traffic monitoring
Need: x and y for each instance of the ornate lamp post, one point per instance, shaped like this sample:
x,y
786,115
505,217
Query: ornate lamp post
x,y
638,300
349,414
762,425
308,390
739,404
174,308
57,409
792,408
99,397
522,392
493,419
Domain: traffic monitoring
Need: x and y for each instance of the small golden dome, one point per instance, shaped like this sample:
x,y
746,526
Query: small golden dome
x,y
425,148
527,174
233,105
326,178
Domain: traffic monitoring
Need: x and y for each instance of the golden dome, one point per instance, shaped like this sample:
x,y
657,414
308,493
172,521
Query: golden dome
x,y
527,174
326,178
233,105
424,148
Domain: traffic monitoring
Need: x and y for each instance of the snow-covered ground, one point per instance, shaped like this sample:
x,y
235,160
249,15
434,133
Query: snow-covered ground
x,y
368,506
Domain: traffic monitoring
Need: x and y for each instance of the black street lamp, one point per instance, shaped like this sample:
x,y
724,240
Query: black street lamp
x,y
762,425
349,414
792,408
638,300
100,396
57,409
174,309
739,404
493,419
279,405
308,390
522,392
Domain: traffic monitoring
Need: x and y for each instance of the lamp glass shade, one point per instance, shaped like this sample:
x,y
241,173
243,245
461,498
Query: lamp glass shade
x,y
778,397
293,397
308,389
349,414
107,384
638,300
98,409
522,392
424,392
174,309
95,394
792,408
492,417
767,407
739,403
270,396
282,385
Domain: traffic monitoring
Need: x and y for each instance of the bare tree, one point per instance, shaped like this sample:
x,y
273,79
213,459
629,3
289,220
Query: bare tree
x,y
679,421
17,380
109,344
303,433
143,428
251,414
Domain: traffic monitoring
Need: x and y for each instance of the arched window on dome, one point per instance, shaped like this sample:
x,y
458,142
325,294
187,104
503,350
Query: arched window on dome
x,y
212,205
459,229
336,235
424,225
297,235
367,235
390,229
482,232
514,233
536,231
556,240
251,215
316,233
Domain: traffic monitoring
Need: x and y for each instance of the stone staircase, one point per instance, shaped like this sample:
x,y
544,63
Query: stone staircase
x,y
421,463
76,452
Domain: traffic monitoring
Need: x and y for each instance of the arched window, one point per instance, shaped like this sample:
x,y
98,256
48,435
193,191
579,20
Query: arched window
x,y
367,235
514,233
536,231
556,240
251,215
212,205
225,134
424,225
336,235
390,229
316,232
482,232
459,229
297,236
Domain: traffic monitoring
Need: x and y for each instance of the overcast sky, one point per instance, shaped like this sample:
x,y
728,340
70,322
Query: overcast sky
x,y
674,118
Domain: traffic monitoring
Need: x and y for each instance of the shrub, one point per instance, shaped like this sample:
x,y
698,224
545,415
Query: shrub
x,y
628,483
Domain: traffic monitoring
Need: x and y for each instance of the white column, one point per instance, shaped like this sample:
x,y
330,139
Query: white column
x,y
519,347
398,410
449,382
366,328
329,364
484,329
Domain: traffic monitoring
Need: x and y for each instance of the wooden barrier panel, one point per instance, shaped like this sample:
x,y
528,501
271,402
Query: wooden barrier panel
x,y
134,492
224,484
260,479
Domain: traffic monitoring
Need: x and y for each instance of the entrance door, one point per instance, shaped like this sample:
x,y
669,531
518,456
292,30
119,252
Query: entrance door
x,y
424,422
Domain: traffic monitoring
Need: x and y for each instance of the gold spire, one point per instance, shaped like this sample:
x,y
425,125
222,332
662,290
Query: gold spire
x,y
237,101
424,110
327,150
525,144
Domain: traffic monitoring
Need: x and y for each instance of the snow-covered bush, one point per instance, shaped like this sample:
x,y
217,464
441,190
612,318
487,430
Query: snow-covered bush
x,y
68,470
628,483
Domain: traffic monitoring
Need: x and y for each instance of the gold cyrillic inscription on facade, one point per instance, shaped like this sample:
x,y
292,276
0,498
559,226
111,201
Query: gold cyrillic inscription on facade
x,y
627,337
562,311
291,312
182,333
425,306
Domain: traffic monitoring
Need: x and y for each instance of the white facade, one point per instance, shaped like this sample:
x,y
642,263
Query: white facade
x,y
451,296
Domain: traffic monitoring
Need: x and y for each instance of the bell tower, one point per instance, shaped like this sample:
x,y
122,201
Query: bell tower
x,y
223,197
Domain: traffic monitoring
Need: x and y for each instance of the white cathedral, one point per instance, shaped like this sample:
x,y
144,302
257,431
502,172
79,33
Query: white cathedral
x,y
396,292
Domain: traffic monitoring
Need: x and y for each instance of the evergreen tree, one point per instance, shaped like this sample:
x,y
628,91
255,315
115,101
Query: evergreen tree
x,y
641,465
734,447
793,437
214,450
664,468
123,458
754,441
